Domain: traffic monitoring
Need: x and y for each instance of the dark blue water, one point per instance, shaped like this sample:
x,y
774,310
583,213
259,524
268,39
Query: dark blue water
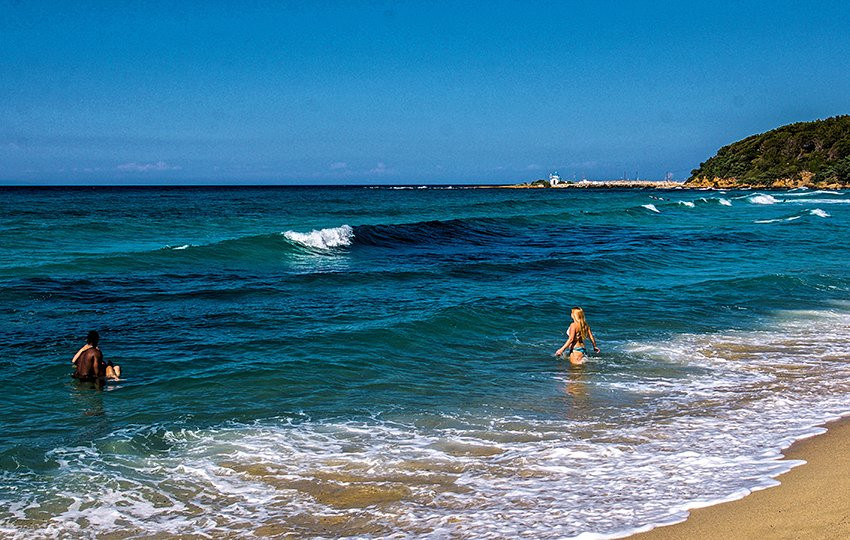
x,y
356,361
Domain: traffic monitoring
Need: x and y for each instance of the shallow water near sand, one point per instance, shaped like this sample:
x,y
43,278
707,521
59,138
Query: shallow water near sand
x,y
374,362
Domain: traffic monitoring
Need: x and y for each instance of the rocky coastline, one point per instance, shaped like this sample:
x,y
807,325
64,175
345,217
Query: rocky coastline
x,y
806,180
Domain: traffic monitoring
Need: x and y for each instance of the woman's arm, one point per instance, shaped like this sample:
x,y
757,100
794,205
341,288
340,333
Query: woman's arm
x,y
81,351
592,339
571,340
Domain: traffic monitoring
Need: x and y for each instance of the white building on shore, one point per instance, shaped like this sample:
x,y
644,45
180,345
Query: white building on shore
x,y
554,179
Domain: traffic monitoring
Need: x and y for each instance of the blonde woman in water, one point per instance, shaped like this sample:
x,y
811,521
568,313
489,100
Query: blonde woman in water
x,y
576,334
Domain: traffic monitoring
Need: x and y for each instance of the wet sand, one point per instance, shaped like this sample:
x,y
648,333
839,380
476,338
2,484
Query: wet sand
x,y
812,501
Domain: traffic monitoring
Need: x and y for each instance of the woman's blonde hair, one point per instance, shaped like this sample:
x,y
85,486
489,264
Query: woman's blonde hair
x,y
578,316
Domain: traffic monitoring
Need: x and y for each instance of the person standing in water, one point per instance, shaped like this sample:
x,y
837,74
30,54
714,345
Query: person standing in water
x,y
578,331
89,362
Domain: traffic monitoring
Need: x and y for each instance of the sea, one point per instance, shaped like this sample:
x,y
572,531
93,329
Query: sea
x,y
378,362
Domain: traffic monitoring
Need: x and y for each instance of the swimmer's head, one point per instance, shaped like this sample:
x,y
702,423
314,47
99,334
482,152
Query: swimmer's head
x,y
93,338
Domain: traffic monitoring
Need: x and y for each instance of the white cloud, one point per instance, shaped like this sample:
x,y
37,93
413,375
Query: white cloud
x,y
380,168
146,167
338,165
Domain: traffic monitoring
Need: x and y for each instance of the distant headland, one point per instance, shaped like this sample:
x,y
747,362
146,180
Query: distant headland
x,y
806,154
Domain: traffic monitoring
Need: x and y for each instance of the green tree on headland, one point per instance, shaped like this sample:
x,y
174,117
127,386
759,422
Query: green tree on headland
x,y
805,153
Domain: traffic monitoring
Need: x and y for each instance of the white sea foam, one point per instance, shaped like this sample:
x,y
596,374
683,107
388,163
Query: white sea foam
x,y
814,212
715,200
821,201
689,204
323,238
778,220
762,198
651,207
817,192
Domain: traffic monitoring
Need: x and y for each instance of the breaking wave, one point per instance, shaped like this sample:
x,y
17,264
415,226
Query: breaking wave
x,y
792,193
814,212
323,238
761,198
715,200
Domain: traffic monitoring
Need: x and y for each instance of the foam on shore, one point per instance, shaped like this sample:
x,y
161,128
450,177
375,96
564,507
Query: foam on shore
x,y
807,502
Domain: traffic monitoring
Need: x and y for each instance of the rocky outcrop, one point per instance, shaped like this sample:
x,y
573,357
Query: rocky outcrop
x,y
806,179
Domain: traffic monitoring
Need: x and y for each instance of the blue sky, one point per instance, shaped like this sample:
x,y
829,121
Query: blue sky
x,y
403,92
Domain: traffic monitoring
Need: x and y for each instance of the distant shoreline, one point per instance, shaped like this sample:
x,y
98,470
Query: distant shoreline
x,y
600,184
666,185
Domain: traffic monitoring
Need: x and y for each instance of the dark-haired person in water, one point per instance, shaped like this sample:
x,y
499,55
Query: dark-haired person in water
x,y
89,362
578,331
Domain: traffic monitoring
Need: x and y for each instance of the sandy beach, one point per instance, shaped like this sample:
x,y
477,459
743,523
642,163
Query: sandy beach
x,y
811,501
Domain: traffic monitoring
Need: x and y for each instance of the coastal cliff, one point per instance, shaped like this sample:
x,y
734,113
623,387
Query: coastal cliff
x,y
806,154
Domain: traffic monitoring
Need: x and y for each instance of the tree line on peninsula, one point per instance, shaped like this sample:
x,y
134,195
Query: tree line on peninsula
x,y
810,154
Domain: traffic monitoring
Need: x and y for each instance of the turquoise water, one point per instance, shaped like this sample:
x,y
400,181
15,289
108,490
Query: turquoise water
x,y
378,362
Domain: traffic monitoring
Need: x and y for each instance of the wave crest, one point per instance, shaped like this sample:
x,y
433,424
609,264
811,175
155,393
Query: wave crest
x,y
761,198
323,239
476,231
715,200
817,192
814,212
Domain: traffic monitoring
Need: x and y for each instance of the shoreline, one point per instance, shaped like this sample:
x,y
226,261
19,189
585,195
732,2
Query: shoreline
x,y
660,185
809,501
600,184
